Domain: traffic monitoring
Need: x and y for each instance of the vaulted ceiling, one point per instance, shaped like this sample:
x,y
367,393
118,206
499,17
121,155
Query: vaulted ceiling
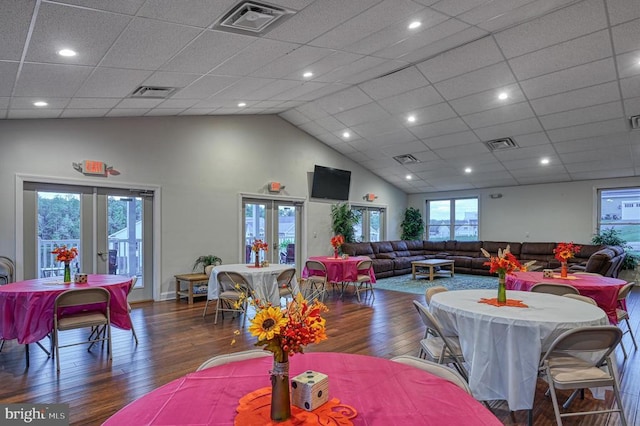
x,y
560,78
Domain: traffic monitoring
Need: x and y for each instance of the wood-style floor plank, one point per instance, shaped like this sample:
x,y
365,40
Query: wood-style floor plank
x,y
175,340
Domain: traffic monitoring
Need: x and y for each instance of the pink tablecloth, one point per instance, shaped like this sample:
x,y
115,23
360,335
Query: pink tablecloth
x,y
340,270
603,290
383,392
26,307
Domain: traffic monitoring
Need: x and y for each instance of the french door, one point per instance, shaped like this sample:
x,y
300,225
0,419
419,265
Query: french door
x,y
277,222
112,229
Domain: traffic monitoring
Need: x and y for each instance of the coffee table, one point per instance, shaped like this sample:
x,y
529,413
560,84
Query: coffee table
x,y
431,264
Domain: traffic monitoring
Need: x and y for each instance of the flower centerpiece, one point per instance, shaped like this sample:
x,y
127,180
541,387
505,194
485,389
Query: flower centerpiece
x,y
256,247
63,254
502,264
336,242
285,332
563,252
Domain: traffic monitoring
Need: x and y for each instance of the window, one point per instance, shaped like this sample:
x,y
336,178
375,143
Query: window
x,y
371,225
620,209
452,219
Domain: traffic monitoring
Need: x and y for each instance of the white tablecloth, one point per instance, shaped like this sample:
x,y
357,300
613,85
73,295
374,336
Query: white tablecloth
x,y
503,345
262,280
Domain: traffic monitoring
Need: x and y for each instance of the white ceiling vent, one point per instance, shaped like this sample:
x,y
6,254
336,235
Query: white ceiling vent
x,y
635,121
500,144
252,17
406,159
152,92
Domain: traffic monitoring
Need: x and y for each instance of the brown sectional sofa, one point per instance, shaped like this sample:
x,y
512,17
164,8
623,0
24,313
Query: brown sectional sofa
x,y
392,258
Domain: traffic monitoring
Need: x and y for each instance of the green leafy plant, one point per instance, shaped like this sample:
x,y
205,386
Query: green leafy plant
x,y
612,237
412,225
206,261
343,219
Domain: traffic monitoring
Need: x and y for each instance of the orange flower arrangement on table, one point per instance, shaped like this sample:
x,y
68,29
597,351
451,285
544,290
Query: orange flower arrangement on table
x,y
63,254
256,247
563,252
502,264
336,242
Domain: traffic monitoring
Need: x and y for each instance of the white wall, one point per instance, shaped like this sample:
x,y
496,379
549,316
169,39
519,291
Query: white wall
x,y
549,212
201,165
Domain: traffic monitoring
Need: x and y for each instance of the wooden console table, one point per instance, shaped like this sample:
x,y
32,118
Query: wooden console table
x,y
190,280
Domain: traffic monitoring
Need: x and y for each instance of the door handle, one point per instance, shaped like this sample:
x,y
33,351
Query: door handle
x,y
101,254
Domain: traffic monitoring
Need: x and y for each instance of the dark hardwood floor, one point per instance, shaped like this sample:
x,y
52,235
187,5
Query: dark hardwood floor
x,y
175,340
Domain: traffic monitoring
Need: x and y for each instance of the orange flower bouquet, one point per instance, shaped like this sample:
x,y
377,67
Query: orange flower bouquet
x,y
563,252
502,264
336,242
256,247
63,254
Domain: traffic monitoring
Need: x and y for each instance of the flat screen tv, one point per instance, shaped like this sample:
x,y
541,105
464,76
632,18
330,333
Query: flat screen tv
x,y
330,183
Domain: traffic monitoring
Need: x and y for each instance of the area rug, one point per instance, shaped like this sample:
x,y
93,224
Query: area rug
x,y
405,284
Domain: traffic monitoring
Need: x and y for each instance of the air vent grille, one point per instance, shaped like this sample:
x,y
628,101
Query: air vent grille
x,y
635,121
152,92
406,159
500,144
251,17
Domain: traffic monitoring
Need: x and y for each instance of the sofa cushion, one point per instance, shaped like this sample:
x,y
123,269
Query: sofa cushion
x,y
461,261
468,248
600,261
537,248
433,246
383,265
493,246
390,255
399,245
382,247
357,249
405,253
450,246
414,245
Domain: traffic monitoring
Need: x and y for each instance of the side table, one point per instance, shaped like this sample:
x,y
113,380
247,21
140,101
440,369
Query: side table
x,y
190,280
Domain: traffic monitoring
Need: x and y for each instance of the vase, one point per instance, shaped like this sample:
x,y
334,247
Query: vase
x,y
335,253
502,288
67,272
257,261
280,397
563,270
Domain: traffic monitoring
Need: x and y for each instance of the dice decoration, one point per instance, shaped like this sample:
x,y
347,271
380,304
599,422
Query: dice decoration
x,y
309,390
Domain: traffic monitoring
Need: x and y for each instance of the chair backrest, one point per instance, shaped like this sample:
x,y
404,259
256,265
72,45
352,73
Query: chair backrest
x,y
432,324
364,266
439,370
553,288
581,298
285,277
586,340
433,290
314,265
238,356
134,280
83,296
232,281
7,270
624,291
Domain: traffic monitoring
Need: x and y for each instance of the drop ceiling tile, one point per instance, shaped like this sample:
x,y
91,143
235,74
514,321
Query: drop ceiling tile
x,y
590,114
538,138
8,71
179,104
127,7
430,114
411,101
33,113
328,64
499,115
632,106
199,13
312,128
56,28
449,42
604,174
591,144
330,124
294,117
534,169
330,139
394,137
629,64
27,103
487,100
207,51
298,59
4,103
300,91
326,90
594,166
531,163
204,87
378,164
491,77
312,111
403,148
453,139
626,36
273,88
630,87
343,101
362,114
482,162
522,13
567,23
493,183
394,84
570,79
605,156
127,112
138,103
376,127
198,111
425,157
365,69
111,82
244,89
362,145
43,80
543,178
14,28
91,103
170,79
600,128
455,7
578,51
259,53
84,112
133,50
457,151
440,128
160,112
350,151
514,128
622,10
574,99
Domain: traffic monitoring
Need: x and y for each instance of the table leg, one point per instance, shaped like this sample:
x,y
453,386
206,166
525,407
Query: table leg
x,y
413,271
430,272
177,290
190,292
453,268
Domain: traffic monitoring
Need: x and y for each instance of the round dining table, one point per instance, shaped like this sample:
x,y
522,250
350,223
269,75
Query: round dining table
x,y
604,290
26,307
502,345
340,270
380,391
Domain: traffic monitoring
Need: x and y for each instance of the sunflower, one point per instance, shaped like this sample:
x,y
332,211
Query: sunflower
x,y
267,323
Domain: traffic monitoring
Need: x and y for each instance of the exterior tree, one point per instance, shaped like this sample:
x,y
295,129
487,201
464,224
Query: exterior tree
x,y
412,225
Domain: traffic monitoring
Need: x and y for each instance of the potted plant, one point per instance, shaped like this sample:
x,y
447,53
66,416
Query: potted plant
x,y
611,237
343,219
206,261
412,225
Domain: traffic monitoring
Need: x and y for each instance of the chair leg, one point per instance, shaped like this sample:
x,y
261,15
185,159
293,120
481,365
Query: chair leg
x,y
623,349
633,339
2,344
554,399
215,321
205,309
616,393
133,330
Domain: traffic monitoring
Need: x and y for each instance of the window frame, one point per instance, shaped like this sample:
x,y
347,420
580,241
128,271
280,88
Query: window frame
x,y
452,213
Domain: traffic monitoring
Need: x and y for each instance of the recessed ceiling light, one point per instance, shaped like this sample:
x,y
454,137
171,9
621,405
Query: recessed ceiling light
x,y
307,74
503,95
411,119
408,177
414,25
544,161
67,52
346,135
40,104
242,104
468,170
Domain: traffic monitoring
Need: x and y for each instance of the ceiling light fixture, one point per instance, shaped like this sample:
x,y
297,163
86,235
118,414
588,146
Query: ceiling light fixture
x,y
242,104
408,177
544,161
411,119
414,25
40,104
307,74
468,170
67,52
346,135
503,95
